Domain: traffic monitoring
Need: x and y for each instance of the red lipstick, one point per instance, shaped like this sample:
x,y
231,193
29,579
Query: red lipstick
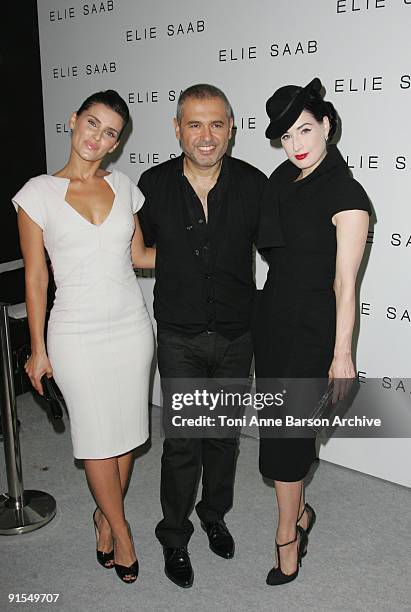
x,y
301,156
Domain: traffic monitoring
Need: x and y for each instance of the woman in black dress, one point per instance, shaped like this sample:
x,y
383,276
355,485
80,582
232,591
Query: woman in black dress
x,y
313,231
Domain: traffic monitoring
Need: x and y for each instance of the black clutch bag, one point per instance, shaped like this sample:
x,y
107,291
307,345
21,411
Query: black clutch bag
x,y
53,397
52,394
323,408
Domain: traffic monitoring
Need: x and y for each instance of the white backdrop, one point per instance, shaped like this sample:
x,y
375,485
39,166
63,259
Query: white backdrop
x,y
149,50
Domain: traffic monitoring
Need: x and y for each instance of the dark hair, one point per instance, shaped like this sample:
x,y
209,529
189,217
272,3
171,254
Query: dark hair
x,y
319,108
111,99
202,91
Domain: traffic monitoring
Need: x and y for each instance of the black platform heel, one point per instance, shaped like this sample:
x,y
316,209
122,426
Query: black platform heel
x,y
312,517
129,574
276,575
106,560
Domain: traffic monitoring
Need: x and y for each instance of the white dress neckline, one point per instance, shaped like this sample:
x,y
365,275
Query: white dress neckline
x,y
107,178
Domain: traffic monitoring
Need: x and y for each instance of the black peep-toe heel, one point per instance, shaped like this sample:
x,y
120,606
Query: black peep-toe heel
x,y
128,575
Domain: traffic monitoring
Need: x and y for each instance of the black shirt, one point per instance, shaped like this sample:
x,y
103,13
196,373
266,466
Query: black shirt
x,y
204,271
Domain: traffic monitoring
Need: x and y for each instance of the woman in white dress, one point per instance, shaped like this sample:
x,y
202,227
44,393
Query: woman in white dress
x,y
99,338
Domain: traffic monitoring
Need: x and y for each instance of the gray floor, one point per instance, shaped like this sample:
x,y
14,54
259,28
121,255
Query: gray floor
x,y
358,558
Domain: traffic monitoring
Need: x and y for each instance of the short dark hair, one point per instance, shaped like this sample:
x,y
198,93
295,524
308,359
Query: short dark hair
x,y
111,99
202,91
320,108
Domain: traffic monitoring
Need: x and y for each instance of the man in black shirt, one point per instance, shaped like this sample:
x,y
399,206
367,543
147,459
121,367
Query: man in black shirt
x,y
201,211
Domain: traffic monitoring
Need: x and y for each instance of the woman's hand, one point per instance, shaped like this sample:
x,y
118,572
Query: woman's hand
x,y
342,372
36,366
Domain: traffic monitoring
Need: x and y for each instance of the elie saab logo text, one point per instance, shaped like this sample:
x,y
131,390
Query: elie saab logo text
x,y
395,239
276,50
360,6
398,313
360,84
400,239
152,32
149,159
388,383
372,162
402,385
64,72
88,8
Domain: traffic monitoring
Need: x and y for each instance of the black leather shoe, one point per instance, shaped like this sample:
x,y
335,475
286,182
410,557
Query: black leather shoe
x,y
220,539
178,566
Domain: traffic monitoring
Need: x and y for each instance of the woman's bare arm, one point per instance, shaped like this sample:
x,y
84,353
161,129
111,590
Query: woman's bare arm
x,y
142,256
352,228
36,275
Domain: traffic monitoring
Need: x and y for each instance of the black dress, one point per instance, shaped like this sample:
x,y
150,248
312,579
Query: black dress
x,y
296,314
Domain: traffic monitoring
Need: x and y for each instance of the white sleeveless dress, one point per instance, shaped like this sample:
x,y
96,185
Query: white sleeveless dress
x,y
99,337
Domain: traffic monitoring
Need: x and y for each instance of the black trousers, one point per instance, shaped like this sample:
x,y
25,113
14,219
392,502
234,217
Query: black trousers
x,y
207,355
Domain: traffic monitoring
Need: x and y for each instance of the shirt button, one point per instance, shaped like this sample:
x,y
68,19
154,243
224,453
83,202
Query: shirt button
x,y
189,227
207,276
210,300
201,221
197,252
